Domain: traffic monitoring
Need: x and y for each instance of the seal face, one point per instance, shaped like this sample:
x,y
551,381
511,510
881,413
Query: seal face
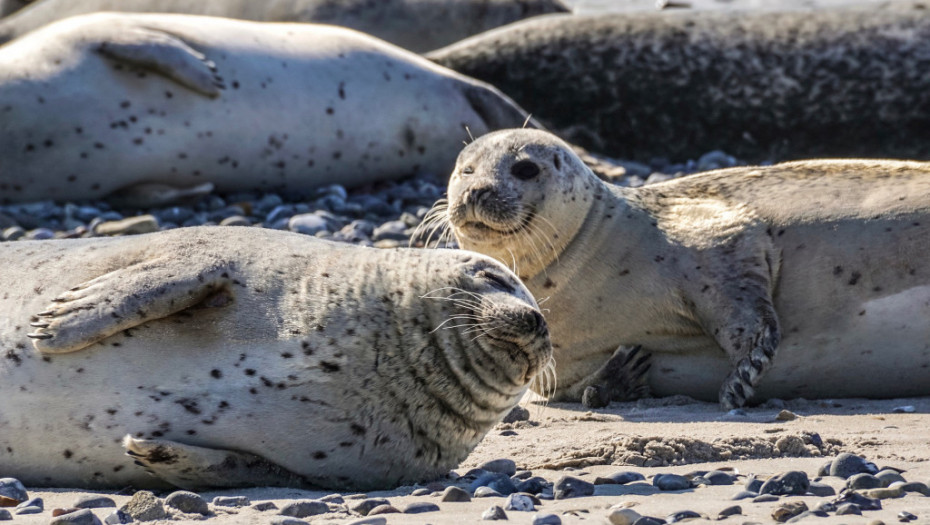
x,y
713,274
231,364
130,101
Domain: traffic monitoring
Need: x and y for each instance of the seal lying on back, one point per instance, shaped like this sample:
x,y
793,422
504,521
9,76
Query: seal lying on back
x,y
109,102
761,86
799,279
231,357
418,25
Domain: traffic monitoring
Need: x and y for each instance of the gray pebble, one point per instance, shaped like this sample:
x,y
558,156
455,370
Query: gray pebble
x,y
718,477
547,519
5,515
744,494
863,481
764,498
848,509
392,230
364,507
906,409
730,511
906,516
887,477
498,481
307,224
93,502
421,492
455,494
235,220
287,520
519,502
264,506
420,507
81,517
846,465
825,506
804,516
821,489
32,502
649,520
681,516
864,503
503,466
304,508
40,234
27,510
13,233
824,469
671,482
518,413
117,517
521,475
572,487
794,482
187,502
144,506
377,520
494,513
534,485
912,486
487,492
130,226
384,509
788,510
231,501
624,477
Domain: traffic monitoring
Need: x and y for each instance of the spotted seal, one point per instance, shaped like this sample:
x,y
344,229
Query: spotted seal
x,y
418,25
800,279
760,85
225,357
113,102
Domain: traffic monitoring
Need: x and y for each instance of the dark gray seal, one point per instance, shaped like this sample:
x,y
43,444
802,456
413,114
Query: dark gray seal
x,y
800,279
761,86
223,357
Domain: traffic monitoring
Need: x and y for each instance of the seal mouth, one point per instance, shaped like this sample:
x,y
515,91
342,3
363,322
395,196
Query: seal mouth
x,y
470,229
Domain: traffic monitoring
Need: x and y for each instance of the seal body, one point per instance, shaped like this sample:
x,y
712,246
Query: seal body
x,y
101,103
229,357
799,279
418,25
758,85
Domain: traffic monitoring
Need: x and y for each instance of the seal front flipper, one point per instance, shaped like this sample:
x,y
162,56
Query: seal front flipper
x,y
127,297
193,468
166,55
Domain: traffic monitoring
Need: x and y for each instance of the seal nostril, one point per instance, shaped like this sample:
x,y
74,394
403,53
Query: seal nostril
x,y
524,170
478,196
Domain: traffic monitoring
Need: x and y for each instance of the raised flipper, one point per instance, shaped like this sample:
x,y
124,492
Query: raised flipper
x,y
166,55
622,378
196,468
128,297
156,195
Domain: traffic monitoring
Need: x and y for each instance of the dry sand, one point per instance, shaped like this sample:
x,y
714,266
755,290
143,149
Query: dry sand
x,y
674,435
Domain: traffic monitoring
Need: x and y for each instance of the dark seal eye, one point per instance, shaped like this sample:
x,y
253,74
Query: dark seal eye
x,y
468,170
524,170
498,281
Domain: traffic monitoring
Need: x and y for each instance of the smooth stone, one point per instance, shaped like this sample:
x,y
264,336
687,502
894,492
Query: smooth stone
x,y
494,513
144,506
825,506
765,498
384,509
519,502
624,477
455,494
231,501
235,220
13,233
534,485
906,409
118,517
40,234
187,502
304,508
623,516
717,477
128,226
364,507
521,475
498,481
337,499
821,489
572,487
753,484
824,469
502,466
487,492
906,516
649,520
421,492
846,465
287,520
786,415
377,520
744,494
864,503
667,482
730,511
807,514
420,507
5,515
681,516
594,397
788,510
883,493
93,502
391,230
794,482
888,477
80,517
307,224
517,413
28,510
32,502
863,481
265,506
547,519
913,486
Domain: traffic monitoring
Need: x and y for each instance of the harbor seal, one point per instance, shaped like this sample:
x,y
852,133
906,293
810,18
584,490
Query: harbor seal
x,y
109,102
759,85
418,25
800,279
223,357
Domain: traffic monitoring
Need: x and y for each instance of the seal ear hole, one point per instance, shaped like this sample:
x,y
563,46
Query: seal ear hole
x,y
557,161
524,170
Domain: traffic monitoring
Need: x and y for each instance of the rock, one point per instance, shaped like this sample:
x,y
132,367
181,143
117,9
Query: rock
x,y
621,478
667,482
765,498
364,507
821,489
93,502
420,507
40,234
339,500
187,502
649,520
384,509
595,396
521,475
887,477
304,508
118,517
863,481
793,482
369,521
12,492
807,514
846,464
28,509
5,515
265,506
502,466
144,506
80,517
455,494
912,486
715,159
824,469
422,492
392,230
497,481
848,509
231,501
32,502
883,493
744,494
519,502
128,226
623,516
572,487
906,409
287,520
307,224
487,492
905,516
534,485
235,220
753,484
547,519
518,413
788,510
786,415
864,503
730,511
12,233
681,515
494,513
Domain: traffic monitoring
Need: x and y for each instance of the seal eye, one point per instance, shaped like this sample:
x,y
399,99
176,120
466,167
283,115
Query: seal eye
x,y
468,170
498,281
524,170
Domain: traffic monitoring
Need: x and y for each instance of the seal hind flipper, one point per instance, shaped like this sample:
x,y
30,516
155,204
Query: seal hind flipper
x,y
623,377
190,467
124,298
166,55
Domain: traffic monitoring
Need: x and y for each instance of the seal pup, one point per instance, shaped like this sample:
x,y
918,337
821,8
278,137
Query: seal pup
x,y
417,25
223,357
101,103
758,85
800,279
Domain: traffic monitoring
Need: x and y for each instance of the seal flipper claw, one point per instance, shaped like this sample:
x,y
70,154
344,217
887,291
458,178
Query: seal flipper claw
x,y
624,376
190,467
125,298
164,54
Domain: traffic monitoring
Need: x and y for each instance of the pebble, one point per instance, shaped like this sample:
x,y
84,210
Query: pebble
x,y
821,489
718,477
595,396
765,498
420,508
494,513
848,509
130,226
794,482
421,492
649,520
863,481
304,508
377,520
883,493
887,477
572,487
864,503
671,482
287,520
487,492
519,502
623,516
265,506
906,516
33,502
502,466
384,509
144,506
846,465
786,415
231,501
80,517
364,507
753,484
455,494
235,220
730,511
307,224
29,509
620,478
521,475
13,233
912,486
534,485
118,517
517,413
906,409
93,502
187,502
681,515
744,494
40,234
497,481
788,510
546,519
